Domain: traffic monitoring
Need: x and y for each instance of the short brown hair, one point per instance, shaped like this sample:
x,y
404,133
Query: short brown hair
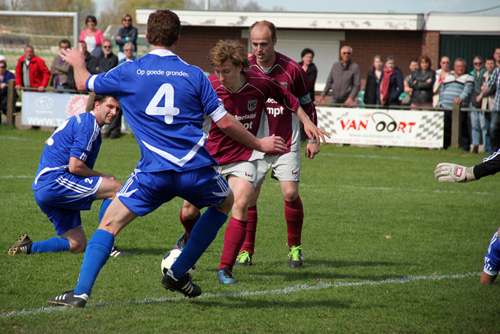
x,y
229,50
269,25
426,59
164,28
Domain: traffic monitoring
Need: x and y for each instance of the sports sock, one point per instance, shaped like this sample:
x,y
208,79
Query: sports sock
x,y
51,245
188,223
202,235
294,216
104,206
96,255
233,240
249,244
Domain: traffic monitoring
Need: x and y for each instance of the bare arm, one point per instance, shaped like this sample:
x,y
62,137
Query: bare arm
x,y
78,167
233,128
311,130
76,58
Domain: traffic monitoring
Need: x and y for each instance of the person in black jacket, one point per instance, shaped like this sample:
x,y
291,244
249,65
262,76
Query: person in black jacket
x,y
311,70
107,61
422,82
391,84
372,81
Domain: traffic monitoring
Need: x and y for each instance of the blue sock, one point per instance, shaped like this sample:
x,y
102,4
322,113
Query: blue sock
x,y
51,245
204,232
96,255
104,206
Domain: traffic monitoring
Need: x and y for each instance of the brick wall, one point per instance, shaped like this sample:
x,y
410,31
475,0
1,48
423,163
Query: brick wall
x,y
402,45
196,42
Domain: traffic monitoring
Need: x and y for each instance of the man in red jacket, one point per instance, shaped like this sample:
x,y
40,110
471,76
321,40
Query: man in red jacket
x,y
31,71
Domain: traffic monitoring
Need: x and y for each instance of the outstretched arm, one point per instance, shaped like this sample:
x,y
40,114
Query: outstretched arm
x,y
233,128
76,58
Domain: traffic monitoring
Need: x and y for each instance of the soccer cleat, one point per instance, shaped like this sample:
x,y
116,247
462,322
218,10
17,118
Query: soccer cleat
x,y
21,246
181,242
183,285
295,259
115,252
225,276
243,259
69,299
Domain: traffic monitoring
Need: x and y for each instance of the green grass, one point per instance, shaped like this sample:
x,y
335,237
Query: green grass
x,y
387,249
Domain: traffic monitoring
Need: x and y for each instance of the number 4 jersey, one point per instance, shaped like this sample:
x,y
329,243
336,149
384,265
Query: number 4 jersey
x,y
163,99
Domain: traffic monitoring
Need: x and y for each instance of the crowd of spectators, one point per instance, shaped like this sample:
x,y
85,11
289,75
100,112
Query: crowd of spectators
x,y
385,85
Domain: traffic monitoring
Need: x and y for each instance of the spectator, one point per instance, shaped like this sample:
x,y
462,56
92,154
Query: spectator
x,y
456,88
493,86
5,76
479,123
107,60
310,68
391,84
92,36
31,71
440,75
60,69
413,65
488,99
422,83
372,81
129,50
344,80
127,33
496,56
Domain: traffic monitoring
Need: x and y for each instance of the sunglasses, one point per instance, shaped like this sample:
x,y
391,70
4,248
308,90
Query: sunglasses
x,y
107,46
128,50
127,20
478,63
346,53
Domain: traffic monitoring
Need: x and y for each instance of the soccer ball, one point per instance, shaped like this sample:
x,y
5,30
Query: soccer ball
x,y
169,260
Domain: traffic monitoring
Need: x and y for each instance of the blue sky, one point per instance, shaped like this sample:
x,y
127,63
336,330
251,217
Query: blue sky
x,y
371,6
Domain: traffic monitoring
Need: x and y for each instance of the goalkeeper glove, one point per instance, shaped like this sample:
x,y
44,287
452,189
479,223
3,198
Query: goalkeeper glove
x,y
448,172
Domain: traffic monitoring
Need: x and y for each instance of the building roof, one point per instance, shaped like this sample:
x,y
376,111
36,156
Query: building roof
x,y
488,24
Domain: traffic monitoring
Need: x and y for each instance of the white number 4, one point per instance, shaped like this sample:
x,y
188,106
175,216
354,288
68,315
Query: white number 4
x,y
169,111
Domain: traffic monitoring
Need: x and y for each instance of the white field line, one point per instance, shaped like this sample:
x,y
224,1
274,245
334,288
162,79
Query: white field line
x,y
287,290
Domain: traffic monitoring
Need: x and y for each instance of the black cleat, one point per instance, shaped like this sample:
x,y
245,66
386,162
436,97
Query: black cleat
x,y
21,246
182,241
183,285
115,252
70,300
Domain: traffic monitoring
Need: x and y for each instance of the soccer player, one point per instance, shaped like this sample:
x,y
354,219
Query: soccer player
x,y
66,182
286,166
244,95
449,172
163,99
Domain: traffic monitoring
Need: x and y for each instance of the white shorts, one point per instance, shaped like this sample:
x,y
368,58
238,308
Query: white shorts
x,y
246,170
286,167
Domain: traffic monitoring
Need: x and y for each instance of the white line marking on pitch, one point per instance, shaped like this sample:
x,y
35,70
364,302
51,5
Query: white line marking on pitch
x,y
284,291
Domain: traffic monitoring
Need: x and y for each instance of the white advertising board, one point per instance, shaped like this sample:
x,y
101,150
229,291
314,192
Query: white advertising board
x,y
382,126
51,109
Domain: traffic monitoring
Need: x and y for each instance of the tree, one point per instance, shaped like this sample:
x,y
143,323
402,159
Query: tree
x,y
113,13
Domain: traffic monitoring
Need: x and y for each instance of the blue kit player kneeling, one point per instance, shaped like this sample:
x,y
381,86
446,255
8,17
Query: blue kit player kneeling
x,y
66,182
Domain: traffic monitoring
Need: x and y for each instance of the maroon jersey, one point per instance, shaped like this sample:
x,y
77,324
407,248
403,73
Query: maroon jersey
x,y
291,75
247,106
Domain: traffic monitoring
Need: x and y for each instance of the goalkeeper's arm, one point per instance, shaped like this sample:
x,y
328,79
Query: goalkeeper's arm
x,y
449,172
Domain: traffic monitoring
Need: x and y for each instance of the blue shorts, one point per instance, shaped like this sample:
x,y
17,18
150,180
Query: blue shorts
x,y
145,192
492,258
64,198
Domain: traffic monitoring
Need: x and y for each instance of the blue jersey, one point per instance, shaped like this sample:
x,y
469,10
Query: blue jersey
x,y
163,99
79,137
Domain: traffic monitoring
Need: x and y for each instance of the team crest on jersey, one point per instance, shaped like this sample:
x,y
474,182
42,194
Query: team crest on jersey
x,y
252,104
284,84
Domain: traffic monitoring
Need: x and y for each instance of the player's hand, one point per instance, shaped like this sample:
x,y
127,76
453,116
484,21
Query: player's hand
x,y
313,132
448,172
312,149
272,144
72,56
